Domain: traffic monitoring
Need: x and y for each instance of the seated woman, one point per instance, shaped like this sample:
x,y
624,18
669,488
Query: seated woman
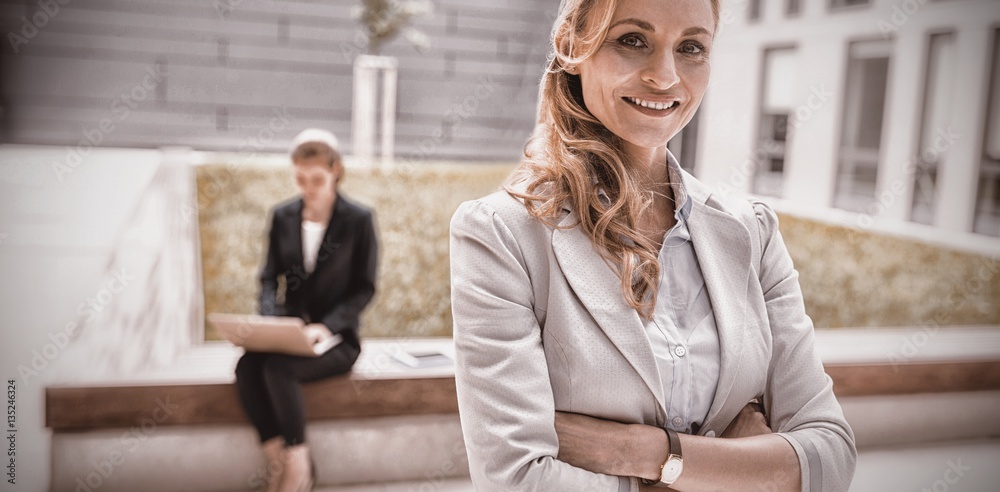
x,y
320,266
620,326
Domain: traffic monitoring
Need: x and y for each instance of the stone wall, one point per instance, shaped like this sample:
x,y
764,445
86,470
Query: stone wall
x,y
856,278
413,207
236,74
849,278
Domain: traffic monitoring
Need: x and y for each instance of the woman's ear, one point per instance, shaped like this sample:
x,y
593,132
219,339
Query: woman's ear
x,y
572,70
338,173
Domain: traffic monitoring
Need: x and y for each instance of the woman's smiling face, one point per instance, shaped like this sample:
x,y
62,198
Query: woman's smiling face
x,y
648,77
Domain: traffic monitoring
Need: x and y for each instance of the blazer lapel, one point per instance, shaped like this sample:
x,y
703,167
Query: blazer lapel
x,y
599,289
722,245
333,226
296,237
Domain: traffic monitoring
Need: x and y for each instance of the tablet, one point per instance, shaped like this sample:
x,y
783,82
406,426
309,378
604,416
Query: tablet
x,y
279,334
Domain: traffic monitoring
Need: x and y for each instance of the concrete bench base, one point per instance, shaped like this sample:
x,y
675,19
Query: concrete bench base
x,y
422,448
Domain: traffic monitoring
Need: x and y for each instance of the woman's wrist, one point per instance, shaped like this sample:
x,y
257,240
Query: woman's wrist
x,y
648,450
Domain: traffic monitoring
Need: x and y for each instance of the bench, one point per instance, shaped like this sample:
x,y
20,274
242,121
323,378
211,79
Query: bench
x,y
200,390
385,422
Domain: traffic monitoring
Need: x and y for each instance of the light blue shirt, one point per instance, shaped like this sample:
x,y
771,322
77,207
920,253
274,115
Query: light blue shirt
x,y
682,331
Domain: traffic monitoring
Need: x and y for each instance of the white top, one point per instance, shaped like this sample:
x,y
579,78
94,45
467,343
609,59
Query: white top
x,y
312,238
682,332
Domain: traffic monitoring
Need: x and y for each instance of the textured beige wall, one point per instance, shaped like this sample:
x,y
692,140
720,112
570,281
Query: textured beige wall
x,y
413,207
855,278
849,278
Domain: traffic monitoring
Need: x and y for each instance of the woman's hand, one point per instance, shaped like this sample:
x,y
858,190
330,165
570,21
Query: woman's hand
x,y
317,332
751,421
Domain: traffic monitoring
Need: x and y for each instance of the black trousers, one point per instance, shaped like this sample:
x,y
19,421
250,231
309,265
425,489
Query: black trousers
x,y
270,388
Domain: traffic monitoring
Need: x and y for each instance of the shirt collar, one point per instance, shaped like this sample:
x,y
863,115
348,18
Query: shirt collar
x,y
682,210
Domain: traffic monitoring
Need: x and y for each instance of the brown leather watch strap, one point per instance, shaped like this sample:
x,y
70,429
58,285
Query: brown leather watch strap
x,y
675,443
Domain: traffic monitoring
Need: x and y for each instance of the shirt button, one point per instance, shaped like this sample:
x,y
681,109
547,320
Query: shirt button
x,y
677,422
710,434
680,350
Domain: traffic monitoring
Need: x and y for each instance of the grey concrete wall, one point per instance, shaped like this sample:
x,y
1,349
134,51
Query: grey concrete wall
x,y
212,74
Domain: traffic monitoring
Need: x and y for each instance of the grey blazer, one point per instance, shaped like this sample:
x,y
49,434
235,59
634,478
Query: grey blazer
x,y
541,325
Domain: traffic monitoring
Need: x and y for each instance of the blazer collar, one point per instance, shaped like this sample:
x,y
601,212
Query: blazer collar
x,y
299,259
722,246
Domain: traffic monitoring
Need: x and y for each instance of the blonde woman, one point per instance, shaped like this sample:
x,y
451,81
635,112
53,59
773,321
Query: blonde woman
x,y
619,326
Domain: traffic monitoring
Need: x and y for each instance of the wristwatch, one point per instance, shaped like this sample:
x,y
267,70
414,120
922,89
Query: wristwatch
x,y
671,469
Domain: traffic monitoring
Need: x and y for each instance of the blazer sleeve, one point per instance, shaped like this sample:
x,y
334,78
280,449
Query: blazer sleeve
x,y
267,302
505,398
799,396
364,265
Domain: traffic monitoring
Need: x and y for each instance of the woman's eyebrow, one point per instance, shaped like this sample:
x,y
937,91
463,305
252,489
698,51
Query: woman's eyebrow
x,y
695,30
641,24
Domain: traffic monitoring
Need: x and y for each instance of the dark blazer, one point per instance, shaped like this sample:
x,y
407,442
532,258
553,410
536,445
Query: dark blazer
x,y
343,281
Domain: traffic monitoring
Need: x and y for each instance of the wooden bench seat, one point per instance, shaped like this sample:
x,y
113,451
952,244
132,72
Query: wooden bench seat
x,y
199,388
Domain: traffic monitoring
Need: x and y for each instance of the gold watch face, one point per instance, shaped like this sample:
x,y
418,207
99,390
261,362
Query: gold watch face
x,y
672,469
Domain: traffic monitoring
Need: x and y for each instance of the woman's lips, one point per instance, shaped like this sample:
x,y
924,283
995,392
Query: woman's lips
x,y
652,108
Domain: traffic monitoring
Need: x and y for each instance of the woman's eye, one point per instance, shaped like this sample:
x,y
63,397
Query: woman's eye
x,y
693,49
632,41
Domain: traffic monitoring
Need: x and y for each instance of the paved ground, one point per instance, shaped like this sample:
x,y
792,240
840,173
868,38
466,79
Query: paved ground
x,y
966,466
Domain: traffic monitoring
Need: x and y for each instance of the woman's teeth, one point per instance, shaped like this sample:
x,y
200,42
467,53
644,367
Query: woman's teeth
x,y
659,106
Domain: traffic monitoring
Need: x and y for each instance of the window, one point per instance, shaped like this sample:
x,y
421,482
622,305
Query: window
x,y
861,133
753,10
684,145
793,7
840,4
777,103
987,215
936,119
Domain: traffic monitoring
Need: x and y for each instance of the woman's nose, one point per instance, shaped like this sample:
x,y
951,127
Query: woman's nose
x,y
661,70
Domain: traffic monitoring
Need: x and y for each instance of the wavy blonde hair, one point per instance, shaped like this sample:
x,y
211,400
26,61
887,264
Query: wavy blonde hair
x,y
571,155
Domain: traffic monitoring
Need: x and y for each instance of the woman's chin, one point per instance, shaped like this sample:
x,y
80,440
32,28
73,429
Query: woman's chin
x,y
648,141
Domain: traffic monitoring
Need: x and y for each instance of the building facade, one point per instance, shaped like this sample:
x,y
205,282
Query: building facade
x,y
886,109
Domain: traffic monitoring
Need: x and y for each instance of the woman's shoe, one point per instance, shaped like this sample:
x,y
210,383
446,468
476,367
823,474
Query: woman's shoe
x,y
274,450
299,474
